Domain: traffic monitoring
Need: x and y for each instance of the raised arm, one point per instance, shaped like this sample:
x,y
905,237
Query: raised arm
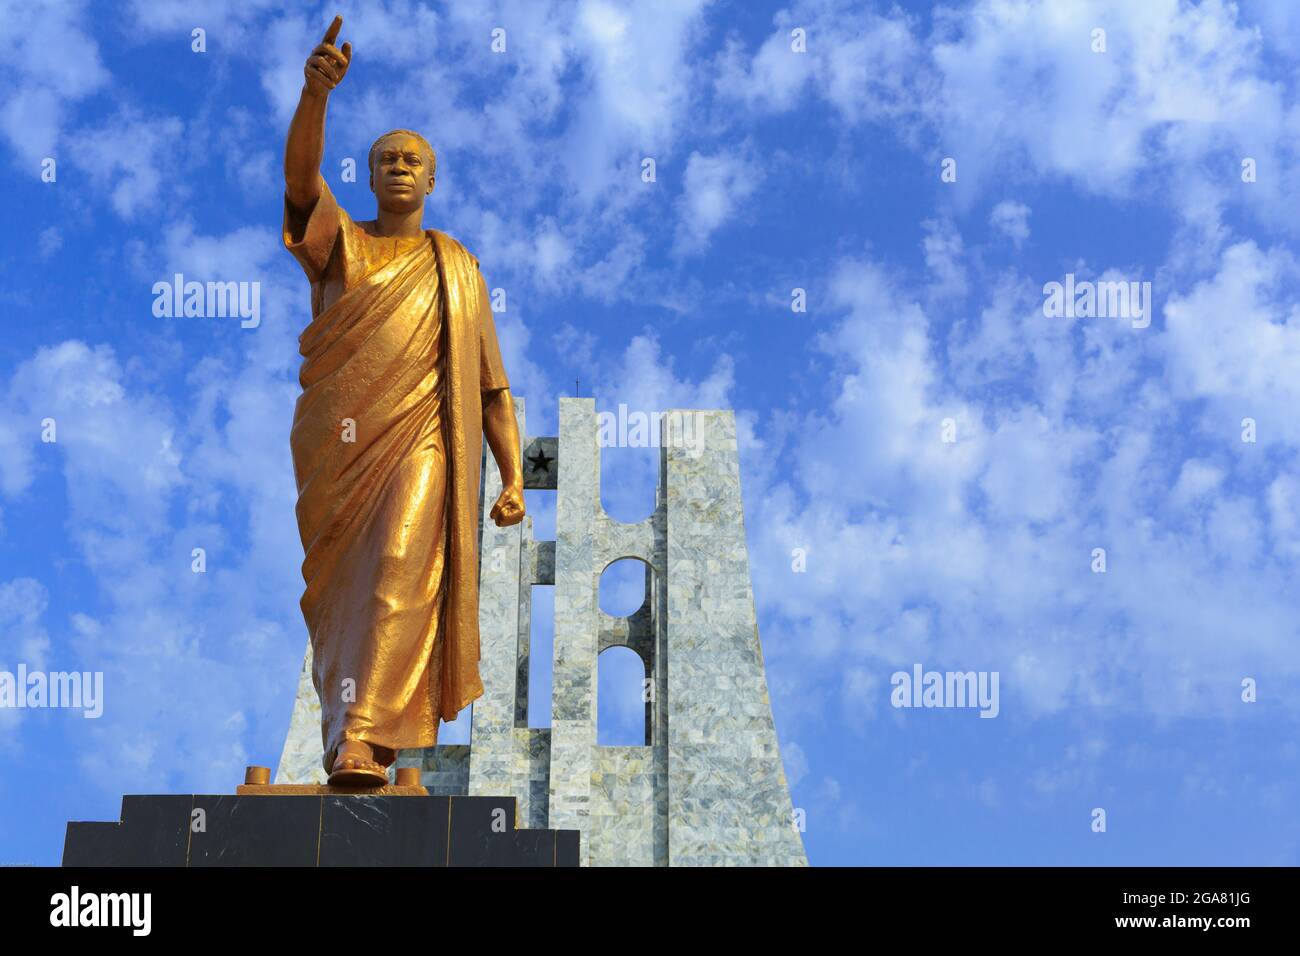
x,y
305,146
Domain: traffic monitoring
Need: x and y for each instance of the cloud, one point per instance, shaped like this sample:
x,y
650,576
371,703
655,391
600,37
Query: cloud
x,y
1234,340
1196,479
1175,83
46,68
23,602
50,241
16,466
713,187
1179,89
644,379
1284,514
136,511
634,60
986,541
147,480
796,762
868,66
126,156
118,454
944,255
1011,219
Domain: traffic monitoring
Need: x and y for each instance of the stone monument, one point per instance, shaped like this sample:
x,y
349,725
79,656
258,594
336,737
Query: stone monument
x,y
707,788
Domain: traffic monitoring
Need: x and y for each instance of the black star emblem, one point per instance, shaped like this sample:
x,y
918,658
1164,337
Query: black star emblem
x,y
540,462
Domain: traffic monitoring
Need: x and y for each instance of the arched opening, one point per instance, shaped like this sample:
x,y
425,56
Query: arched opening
x,y
620,698
622,587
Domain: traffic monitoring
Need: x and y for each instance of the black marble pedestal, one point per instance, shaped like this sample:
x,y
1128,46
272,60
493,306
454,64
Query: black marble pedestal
x,y
319,830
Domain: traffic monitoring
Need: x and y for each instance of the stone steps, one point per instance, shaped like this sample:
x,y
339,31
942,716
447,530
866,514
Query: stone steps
x,y
316,830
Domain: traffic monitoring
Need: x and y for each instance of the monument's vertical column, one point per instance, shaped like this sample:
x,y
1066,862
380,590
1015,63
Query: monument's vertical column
x,y
728,803
500,565
658,591
573,699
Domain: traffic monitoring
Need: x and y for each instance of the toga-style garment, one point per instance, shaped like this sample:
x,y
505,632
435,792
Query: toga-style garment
x,y
387,448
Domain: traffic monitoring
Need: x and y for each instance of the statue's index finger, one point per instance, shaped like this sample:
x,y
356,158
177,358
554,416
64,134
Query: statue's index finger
x,y
332,33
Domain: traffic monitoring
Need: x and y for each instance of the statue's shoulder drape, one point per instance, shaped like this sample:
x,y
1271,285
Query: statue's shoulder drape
x,y
474,367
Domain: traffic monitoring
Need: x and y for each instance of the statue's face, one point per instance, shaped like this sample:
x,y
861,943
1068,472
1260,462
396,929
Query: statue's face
x,y
402,176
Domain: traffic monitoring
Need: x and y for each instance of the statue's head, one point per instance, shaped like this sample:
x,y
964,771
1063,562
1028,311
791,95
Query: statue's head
x,y
402,166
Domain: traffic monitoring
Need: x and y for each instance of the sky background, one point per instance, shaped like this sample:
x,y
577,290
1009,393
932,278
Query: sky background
x,y
775,170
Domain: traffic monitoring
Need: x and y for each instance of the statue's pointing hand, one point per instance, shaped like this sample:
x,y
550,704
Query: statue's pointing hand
x,y
327,64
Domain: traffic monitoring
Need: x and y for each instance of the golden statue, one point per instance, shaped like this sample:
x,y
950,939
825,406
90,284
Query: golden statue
x,y
401,377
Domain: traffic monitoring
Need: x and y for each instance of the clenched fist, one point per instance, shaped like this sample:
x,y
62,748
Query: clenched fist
x,y
327,64
509,508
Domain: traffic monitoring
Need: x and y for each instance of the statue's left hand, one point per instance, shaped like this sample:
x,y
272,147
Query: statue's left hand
x,y
509,508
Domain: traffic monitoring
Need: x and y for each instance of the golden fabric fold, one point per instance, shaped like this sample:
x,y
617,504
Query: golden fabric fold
x,y
387,447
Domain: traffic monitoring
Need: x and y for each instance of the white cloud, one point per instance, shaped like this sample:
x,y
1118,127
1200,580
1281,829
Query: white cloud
x,y
1233,339
1283,503
1011,218
23,602
1196,479
130,158
712,189
645,380
147,480
978,552
796,762
134,474
1176,81
50,241
1029,444
118,454
49,64
635,59
1180,86
16,467
943,248
867,65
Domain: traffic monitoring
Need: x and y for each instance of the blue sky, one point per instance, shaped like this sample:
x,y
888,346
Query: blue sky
x,y
775,170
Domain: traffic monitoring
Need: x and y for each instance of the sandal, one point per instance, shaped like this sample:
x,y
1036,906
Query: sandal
x,y
353,768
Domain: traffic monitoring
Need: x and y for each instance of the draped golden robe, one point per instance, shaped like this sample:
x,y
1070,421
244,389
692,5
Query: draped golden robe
x,y
401,345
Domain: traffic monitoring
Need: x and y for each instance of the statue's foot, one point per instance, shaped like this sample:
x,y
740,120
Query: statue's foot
x,y
355,766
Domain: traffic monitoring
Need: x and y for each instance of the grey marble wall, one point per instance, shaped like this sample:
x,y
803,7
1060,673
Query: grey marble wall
x,y
301,761
501,588
728,803
444,769
577,577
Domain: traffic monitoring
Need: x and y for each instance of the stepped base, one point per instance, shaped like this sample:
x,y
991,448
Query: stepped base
x,y
319,828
